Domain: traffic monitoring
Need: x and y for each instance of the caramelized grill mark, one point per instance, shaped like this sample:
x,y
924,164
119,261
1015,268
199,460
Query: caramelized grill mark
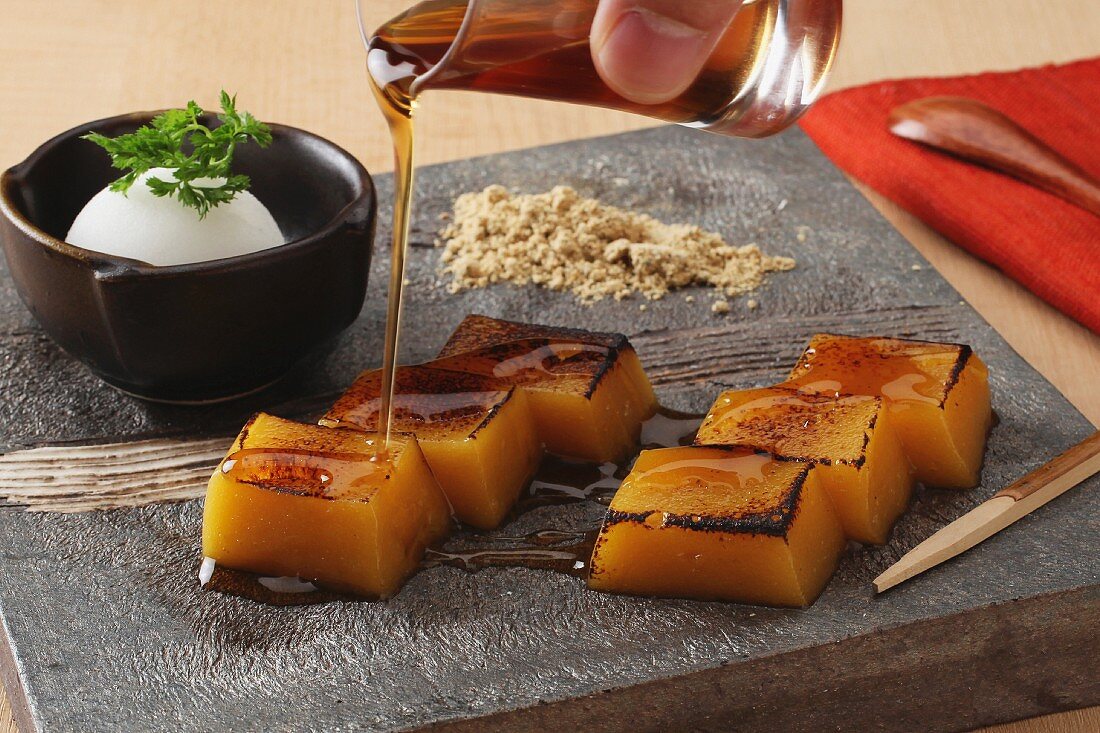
x,y
490,338
852,356
762,420
477,331
306,472
243,436
956,371
424,396
527,362
492,412
774,521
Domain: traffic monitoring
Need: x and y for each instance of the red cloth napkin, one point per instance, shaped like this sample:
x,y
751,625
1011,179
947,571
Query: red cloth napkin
x,y
1048,245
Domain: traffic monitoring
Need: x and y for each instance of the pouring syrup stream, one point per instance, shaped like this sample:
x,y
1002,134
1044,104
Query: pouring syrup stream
x,y
397,104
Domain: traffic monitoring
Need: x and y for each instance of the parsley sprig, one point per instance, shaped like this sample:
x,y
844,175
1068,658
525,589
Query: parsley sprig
x,y
177,139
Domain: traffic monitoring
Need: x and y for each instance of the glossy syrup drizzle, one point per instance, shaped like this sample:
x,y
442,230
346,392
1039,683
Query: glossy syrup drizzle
x,y
527,360
540,359
271,591
391,86
561,481
898,371
302,471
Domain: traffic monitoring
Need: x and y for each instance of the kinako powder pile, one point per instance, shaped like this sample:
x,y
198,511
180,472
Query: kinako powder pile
x,y
565,242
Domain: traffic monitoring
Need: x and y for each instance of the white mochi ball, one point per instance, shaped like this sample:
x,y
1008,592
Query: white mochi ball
x,y
162,231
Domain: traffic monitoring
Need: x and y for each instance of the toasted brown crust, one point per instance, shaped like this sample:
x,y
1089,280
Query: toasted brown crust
x,y
959,364
478,331
243,435
493,412
428,398
892,338
299,459
305,480
497,339
956,371
771,427
774,521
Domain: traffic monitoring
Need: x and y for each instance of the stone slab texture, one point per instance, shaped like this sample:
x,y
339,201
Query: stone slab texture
x,y
106,628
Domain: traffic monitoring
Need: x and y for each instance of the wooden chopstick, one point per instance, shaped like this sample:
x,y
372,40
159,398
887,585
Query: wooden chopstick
x,y
1051,479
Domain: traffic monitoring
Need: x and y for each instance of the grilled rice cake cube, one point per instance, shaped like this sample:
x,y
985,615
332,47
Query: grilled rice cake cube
x,y
724,523
937,394
476,432
588,392
292,499
849,438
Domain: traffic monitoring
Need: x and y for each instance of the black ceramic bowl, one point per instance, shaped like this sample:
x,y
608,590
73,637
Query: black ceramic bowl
x,y
200,332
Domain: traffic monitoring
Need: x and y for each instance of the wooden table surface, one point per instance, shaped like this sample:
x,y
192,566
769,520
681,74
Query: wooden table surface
x,y
300,63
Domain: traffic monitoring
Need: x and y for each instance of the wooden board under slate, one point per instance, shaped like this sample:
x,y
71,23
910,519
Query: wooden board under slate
x,y
107,629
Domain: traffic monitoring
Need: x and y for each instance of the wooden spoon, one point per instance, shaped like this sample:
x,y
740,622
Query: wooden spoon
x,y
977,133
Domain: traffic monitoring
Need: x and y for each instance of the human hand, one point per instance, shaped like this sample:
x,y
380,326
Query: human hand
x,y
650,51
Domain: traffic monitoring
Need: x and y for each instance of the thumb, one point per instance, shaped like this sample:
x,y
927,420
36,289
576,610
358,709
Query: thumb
x,y
650,51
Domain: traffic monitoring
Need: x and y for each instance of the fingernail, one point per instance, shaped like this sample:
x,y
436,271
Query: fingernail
x,y
650,58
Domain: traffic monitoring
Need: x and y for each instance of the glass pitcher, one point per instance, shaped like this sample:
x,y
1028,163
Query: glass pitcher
x,y
764,70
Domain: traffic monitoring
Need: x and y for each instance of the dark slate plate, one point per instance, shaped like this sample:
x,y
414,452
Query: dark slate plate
x,y
107,628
